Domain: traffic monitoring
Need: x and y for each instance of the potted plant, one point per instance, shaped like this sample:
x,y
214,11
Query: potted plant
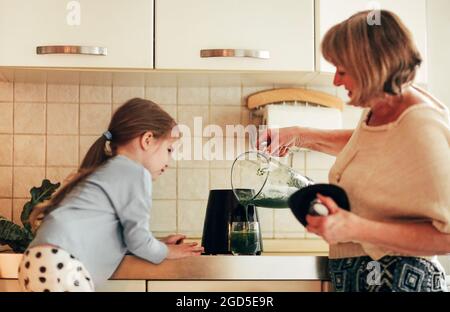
x,y
19,237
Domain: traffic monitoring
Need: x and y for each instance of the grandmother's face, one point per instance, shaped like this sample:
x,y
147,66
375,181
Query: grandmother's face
x,y
342,78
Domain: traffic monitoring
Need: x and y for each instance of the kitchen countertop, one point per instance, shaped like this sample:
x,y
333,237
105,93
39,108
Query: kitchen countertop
x,y
265,267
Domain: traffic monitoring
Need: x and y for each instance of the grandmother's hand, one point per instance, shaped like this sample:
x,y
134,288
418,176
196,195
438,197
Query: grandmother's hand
x,y
340,226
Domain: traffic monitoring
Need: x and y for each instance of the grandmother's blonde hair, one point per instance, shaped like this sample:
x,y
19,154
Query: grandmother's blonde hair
x,y
380,58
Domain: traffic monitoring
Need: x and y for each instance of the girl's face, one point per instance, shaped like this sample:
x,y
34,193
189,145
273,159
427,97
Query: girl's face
x,y
341,77
157,154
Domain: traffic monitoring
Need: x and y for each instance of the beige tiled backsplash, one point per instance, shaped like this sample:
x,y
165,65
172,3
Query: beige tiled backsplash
x,y
46,129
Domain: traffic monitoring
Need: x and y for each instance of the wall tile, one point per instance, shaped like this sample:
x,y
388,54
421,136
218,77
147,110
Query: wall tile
x,y
193,96
286,225
29,150
62,118
121,94
94,119
172,110
163,216
6,117
6,91
6,208
351,116
6,182
29,92
17,209
62,150
29,118
193,183
60,174
191,217
266,222
85,143
225,115
162,95
25,178
93,94
165,187
220,179
320,161
186,117
318,176
226,96
6,150
190,164
298,161
63,93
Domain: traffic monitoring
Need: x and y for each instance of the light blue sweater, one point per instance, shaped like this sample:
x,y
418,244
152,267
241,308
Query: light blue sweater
x,y
103,217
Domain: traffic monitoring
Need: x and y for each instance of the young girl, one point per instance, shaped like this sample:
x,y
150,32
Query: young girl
x,y
103,211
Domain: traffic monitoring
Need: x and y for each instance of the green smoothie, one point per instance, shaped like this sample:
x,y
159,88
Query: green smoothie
x,y
244,242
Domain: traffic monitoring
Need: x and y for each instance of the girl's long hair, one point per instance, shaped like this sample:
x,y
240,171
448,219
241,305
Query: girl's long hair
x,y
131,120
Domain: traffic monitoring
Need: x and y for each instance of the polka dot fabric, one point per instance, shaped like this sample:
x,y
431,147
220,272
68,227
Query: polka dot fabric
x,y
52,269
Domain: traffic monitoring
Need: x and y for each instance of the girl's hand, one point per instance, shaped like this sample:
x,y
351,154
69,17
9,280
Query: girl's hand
x,y
279,141
184,250
340,226
173,239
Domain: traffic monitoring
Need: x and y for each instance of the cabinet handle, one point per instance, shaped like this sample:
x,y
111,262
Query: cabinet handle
x,y
69,49
260,54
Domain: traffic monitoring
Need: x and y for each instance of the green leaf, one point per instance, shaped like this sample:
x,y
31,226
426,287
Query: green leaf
x,y
13,235
38,195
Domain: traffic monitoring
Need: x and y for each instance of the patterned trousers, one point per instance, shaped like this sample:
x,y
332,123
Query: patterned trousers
x,y
389,274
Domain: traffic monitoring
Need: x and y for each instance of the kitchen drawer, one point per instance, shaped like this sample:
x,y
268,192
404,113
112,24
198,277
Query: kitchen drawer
x,y
124,29
285,30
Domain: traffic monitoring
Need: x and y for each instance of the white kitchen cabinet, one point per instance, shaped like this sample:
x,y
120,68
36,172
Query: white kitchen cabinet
x,y
124,28
284,30
412,13
234,286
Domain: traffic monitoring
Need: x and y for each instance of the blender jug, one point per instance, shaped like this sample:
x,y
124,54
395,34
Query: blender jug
x,y
261,180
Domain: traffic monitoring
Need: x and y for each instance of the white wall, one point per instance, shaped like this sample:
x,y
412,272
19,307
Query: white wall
x,y
438,16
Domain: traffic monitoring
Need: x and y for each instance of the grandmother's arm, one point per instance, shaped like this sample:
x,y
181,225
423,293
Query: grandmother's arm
x,y
414,239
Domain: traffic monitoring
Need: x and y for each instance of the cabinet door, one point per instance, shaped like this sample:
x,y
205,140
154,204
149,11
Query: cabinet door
x,y
283,29
412,13
124,28
230,286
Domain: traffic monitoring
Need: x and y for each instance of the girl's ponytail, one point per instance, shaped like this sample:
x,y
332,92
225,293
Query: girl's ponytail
x,y
97,153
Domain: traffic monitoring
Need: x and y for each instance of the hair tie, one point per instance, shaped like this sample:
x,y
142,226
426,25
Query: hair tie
x,y
107,134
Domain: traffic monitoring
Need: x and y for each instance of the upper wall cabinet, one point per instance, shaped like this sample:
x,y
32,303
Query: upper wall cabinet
x,y
413,14
235,35
83,33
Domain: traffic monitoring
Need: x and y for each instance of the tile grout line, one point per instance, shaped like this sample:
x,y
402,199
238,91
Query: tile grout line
x,y
177,218
13,151
46,127
79,122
